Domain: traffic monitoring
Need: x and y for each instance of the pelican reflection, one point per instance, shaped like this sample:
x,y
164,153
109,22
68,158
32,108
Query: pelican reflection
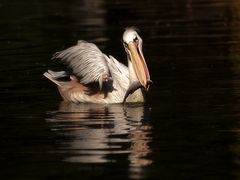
x,y
95,133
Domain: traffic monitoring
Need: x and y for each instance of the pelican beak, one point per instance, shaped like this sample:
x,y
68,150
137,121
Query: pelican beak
x,y
139,64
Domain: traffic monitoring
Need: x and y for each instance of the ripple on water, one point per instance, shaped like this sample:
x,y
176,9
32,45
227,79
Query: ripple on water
x,y
97,133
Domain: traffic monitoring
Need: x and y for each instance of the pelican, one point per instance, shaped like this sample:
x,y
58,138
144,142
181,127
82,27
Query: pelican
x,y
93,77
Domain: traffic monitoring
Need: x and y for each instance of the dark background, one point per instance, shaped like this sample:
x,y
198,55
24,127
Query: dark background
x,y
188,130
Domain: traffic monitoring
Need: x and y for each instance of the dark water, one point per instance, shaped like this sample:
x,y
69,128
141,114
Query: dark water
x,y
188,130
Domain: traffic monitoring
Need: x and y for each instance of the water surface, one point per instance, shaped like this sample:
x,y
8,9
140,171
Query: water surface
x,y
189,129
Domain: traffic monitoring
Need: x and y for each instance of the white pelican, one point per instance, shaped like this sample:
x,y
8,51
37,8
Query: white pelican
x,y
94,77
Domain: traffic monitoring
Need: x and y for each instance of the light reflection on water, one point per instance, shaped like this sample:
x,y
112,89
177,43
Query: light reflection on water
x,y
192,131
94,133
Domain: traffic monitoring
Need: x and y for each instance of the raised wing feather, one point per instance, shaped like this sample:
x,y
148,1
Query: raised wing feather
x,y
86,61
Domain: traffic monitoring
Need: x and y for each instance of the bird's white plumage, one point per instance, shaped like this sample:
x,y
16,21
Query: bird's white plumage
x,y
129,35
89,65
120,76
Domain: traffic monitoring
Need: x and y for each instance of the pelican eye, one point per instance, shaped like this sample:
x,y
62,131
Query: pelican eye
x,y
125,44
135,39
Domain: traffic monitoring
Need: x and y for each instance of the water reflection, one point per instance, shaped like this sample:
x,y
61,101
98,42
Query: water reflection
x,y
94,133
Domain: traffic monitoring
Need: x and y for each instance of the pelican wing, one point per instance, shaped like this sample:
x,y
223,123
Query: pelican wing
x,y
119,72
120,76
86,62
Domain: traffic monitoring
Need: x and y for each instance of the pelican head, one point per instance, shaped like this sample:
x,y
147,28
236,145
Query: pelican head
x,y
133,46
